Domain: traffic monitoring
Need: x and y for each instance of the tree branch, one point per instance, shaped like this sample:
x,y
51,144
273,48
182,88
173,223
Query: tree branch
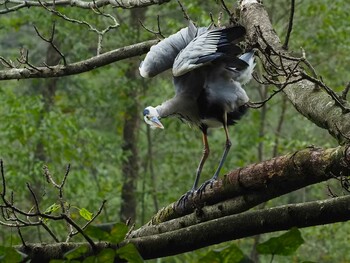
x,y
315,104
215,231
256,183
78,67
125,4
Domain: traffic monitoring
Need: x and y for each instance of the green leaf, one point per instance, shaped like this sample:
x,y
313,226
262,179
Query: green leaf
x,y
232,254
9,255
98,233
52,208
87,215
284,245
118,233
57,261
129,253
106,255
90,259
77,252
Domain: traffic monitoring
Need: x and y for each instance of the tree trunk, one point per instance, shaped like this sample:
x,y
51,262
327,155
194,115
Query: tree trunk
x,y
130,166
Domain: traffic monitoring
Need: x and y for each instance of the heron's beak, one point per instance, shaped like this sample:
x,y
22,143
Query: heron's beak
x,y
155,123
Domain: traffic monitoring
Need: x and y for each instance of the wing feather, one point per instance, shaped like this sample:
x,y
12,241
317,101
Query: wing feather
x,y
162,55
207,47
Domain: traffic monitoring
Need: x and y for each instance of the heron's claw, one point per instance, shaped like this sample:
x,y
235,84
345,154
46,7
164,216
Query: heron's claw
x,y
202,188
184,198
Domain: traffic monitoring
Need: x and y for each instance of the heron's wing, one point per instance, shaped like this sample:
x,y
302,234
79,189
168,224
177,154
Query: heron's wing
x,y
162,55
242,71
207,47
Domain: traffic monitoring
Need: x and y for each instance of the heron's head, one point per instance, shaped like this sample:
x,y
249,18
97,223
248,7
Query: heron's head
x,y
151,116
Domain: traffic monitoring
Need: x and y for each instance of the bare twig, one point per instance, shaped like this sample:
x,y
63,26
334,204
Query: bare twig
x,y
186,16
48,230
24,60
6,63
225,8
3,179
49,178
329,91
298,72
281,85
87,238
89,222
14,216
100,33
290,24
37,209
156,33
50,40
345,92
20,235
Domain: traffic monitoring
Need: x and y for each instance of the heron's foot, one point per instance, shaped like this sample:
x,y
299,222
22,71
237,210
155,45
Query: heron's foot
x,y
184,198
202,188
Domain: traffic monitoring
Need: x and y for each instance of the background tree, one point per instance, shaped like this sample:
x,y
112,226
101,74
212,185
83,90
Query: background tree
x,y
90,117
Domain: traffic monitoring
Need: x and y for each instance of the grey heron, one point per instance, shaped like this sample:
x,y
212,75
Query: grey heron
x,y
208,76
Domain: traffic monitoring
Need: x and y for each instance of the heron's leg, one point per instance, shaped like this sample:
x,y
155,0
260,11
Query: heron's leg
x,y
203,159
224,155
184,198
228,144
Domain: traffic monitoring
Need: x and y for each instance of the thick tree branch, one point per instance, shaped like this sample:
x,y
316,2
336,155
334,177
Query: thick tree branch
x,y
216,231
78,67
247,187
315,104
14,5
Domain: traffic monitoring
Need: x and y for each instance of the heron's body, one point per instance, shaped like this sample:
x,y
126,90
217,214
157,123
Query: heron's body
x,y
207,79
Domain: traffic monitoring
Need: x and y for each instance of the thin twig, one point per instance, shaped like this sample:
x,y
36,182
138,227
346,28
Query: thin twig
x,y
20,235
6,63
290,24
345,92
186,16
3,179
50,40
48,230
283,86
156,33
87,238
89,222
329,91
225,8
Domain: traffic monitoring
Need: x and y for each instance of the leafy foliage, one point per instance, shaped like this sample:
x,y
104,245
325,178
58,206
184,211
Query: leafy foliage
x,y
286,244
9,255
230,253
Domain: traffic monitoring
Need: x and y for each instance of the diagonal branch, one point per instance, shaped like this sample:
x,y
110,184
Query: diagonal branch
x,y
215,231
315,104
247,187
78,67
243,225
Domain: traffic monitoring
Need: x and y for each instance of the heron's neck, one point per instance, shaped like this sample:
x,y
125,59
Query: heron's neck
x,y
168,108
178,105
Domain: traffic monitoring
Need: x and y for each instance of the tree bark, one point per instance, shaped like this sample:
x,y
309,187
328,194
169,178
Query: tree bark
x,y
247,187
78,67
214,231
125,4
314,103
